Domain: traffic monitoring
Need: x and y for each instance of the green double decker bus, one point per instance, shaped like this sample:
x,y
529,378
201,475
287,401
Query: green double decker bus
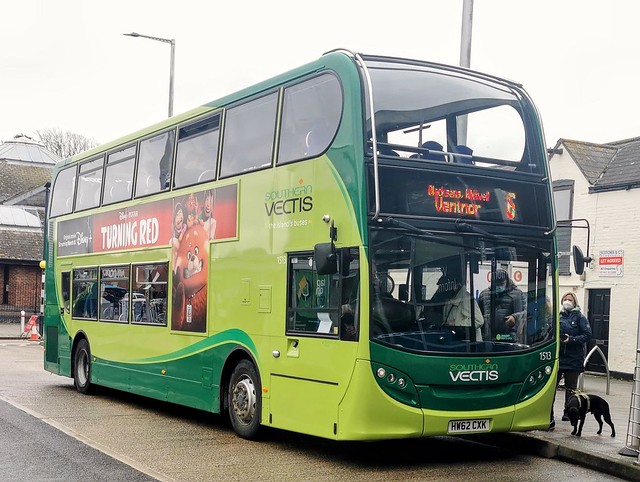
x,y
361,248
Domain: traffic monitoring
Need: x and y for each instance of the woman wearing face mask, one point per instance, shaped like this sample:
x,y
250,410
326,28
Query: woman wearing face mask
x,y
575,333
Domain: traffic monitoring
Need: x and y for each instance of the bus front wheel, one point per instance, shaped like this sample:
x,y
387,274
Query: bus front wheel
x,y
245,403
82,367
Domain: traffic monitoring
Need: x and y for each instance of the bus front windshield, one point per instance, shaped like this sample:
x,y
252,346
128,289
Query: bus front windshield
x,y
455,294
452,116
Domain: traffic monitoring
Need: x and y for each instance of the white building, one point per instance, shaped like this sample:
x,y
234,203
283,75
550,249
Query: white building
x,y
600,183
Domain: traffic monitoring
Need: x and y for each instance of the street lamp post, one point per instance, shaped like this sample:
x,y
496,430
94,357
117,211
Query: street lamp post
x,y
172,42
465,58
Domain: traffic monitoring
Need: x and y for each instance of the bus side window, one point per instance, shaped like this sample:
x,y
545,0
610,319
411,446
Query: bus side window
x,y
149,294
85,293
249,136
312,306
118,177
65,287
350,295
311,115
89,184
63,192
154,164
197,152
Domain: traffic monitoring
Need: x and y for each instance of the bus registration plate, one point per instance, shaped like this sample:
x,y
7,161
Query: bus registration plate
x,y
468,426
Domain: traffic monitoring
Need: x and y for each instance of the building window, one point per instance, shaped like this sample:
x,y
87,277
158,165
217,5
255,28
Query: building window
x,y
563,200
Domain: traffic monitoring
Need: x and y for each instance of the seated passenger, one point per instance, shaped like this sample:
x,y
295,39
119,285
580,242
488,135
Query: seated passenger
x,y
467,152
433,154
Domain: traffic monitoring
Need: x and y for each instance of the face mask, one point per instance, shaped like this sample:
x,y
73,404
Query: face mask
x,y
567,305
500,289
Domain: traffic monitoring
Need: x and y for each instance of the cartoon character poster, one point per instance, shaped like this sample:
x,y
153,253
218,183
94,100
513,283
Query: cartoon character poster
x,y
187,223
198,218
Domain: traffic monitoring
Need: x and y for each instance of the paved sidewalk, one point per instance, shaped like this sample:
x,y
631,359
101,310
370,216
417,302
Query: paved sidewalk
x,y
11,330
599,452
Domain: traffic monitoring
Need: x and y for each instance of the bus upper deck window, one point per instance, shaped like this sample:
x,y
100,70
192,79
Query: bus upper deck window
x,y
310,117
248,136
63,192
118,177
154,164
197,152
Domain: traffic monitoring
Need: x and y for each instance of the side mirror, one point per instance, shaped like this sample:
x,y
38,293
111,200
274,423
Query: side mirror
x,y
579,260
326,258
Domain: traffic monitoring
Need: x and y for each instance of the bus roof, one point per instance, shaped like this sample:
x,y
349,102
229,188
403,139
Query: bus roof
x,y
331,59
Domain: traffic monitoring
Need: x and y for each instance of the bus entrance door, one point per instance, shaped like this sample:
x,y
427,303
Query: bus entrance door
x,y
308,381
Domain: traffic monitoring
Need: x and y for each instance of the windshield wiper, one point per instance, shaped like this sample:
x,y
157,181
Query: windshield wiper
x,y
464,227
430,235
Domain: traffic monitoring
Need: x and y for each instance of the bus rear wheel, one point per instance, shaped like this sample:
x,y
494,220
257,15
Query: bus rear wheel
x,y
82,367
245,403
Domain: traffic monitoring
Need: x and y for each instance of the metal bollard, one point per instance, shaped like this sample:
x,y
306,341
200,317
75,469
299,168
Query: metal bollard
x,y
22,313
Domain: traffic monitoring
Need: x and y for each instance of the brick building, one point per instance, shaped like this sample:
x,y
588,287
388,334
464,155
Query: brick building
x,y
600,184
25,170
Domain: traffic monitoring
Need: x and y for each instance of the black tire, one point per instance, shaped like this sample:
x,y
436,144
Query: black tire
x,y
82,367
245,401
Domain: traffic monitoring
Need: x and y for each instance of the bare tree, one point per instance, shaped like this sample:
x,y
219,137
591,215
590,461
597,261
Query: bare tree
x,y
64,143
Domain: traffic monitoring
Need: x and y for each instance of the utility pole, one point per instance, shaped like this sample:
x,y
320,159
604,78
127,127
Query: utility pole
x,y
465,38
465,58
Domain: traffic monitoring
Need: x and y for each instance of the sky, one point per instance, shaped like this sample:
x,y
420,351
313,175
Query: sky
x,y
65,64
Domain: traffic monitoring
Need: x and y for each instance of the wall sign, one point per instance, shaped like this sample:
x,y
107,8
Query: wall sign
x,y
611,262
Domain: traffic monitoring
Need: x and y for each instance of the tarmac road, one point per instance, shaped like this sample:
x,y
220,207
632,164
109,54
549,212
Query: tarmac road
x,y
167,442
33,450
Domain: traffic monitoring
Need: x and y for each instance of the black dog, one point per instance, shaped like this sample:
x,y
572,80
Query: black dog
x,y
581,403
